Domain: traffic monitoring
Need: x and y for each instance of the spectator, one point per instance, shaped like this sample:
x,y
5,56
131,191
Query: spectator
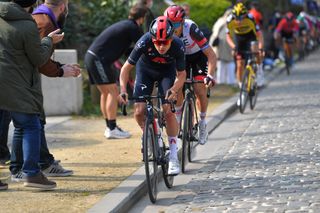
x,y
22,52
4,128
108,47
149,15
225,65
186,8
273,22
49,16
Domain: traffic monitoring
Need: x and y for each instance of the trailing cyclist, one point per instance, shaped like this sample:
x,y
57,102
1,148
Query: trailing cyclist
x,y
241,31
158,57
288,30
200,62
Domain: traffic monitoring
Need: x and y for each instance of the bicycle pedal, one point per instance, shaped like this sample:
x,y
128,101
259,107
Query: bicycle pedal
x,y
172,175
252,93
193,138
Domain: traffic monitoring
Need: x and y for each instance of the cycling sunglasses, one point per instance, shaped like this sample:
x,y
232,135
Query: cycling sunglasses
x,y
161,42
176,25
240,18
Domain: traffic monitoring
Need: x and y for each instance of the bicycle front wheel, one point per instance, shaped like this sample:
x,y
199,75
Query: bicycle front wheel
x,y
185,134
150,161
244,91
253,94
168,179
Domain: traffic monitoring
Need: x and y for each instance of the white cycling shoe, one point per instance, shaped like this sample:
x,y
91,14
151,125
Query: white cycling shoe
x,y
174,167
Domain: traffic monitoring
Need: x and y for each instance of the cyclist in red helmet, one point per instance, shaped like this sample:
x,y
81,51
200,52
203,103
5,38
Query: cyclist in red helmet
x,y
158,56
288,31
200,59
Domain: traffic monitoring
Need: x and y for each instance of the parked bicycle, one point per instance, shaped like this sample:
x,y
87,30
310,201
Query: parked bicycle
x,y
249,88
155,151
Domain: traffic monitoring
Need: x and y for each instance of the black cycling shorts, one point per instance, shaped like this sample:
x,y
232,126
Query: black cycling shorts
x,y
99,71
243,44
146,76
197,63
287,36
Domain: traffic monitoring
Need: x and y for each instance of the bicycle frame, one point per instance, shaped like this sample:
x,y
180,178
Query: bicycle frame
x,y
252,74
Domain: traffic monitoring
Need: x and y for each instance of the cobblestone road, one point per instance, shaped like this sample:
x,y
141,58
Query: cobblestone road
x,y
272,163
275,165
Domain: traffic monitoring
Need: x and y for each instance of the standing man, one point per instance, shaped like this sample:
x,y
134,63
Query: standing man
x,y
21,53
200,63
49,16
108,47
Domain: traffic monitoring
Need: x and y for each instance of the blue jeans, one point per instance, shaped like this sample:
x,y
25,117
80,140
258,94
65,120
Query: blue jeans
x,y
4,128
30,126
46,158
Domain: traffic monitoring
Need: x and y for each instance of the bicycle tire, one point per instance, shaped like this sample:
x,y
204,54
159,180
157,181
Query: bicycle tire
x,y
287,65
185,135
168,179
253,94
191,143
150,161
243,91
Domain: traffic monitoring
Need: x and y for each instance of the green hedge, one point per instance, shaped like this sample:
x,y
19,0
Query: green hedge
x,y
206,12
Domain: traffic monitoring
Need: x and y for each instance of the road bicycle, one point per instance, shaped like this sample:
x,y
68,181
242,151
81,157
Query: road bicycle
x,y
249,88
288,53
189,122
155,151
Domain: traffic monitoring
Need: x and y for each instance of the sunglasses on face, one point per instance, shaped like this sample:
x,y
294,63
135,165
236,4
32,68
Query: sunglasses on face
x,y
176,25
240,18
159,43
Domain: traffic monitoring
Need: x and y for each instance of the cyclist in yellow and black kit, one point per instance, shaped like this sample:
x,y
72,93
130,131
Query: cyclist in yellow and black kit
x,y
241,31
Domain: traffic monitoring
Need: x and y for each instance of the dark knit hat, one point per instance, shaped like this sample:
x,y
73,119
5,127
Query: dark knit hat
x,y
25,3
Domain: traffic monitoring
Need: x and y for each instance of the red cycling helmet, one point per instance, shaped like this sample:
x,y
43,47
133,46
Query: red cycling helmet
x,y
289,16
175,13
161,29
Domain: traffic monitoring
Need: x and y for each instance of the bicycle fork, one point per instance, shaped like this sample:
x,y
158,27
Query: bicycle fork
x,y
251,79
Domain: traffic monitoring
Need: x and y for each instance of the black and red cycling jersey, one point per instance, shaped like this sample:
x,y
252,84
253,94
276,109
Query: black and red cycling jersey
x,y
287,27
145,50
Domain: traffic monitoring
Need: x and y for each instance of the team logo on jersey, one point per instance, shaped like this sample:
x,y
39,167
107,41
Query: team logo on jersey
x,y
173,141
159,60
143,86
140,44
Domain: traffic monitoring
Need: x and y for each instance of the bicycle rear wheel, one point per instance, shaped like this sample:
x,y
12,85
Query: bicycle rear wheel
x,y
244,91
150,161
168,179
287,63
253,94
185,134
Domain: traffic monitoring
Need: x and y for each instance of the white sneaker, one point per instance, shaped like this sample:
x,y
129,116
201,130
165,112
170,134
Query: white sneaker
x,y
117,133
107,132
174,166
238,102
203,133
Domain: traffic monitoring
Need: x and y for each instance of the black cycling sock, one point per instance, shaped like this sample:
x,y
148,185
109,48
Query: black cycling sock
x,y
107,122
112,124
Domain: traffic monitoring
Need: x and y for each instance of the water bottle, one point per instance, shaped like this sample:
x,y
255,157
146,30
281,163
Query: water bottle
x,y
159,134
